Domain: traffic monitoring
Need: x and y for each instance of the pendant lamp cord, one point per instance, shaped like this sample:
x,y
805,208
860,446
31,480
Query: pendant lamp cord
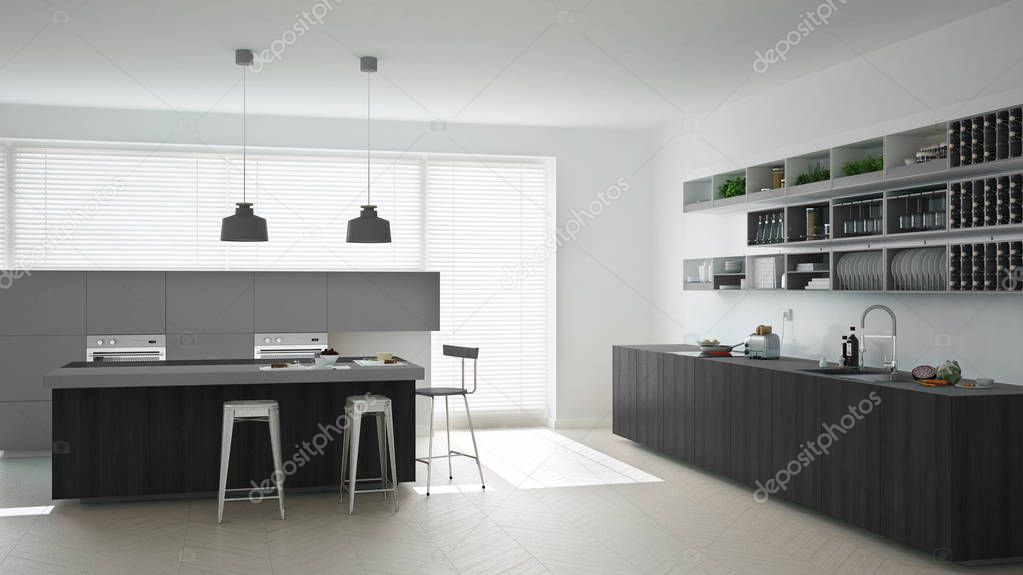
x,y
245,163
369,201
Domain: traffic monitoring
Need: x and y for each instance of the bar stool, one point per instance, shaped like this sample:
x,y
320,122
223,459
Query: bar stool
x,y
265,411
379,408
463,353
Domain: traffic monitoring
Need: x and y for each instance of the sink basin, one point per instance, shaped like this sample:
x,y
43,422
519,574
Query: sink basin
x,y
879,377
859,374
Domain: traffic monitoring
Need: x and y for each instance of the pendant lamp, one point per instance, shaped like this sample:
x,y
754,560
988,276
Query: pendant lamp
x,y
244,225
368,228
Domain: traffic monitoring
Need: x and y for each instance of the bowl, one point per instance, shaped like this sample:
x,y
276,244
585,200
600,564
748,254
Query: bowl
x,y
325,360
384,355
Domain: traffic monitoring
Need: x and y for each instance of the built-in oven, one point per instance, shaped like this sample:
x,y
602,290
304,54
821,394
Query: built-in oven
x,y
123,348
289,345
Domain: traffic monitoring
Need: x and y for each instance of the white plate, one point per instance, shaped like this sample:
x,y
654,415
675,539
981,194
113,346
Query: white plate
x,y
377,363
302,367
897,270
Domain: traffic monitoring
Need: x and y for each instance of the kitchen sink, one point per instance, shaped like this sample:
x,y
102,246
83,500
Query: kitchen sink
x,y
858,374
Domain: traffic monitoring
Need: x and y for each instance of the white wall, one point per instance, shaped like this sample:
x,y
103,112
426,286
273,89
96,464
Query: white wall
x,y
910,84
602,275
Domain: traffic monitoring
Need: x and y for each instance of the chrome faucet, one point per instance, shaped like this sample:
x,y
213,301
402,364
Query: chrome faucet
x,y
893,364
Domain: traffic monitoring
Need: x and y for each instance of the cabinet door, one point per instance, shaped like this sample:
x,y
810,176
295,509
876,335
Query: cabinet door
x,y
711,431
43,303
26,359
25,426
795,419
623,390
678,409
291,302
210,346
851,471
986,475
209,302
916,492
749,414
384,301
125,302
648,399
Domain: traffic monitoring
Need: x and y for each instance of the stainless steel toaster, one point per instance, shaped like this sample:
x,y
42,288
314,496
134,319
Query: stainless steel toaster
x,y
763,346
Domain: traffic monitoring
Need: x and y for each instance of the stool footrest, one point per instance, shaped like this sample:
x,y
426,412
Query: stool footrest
x,y
448,456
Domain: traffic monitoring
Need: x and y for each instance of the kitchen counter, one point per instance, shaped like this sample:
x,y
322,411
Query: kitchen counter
x,y
217,372
937,469
797,365
152,429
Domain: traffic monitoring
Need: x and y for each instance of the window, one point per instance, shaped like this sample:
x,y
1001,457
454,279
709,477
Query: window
x,y
488,223
484,224
136,209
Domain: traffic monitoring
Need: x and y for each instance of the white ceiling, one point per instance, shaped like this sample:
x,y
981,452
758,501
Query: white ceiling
x,y
608,63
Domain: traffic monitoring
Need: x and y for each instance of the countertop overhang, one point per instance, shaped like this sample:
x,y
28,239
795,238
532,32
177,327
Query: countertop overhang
x,y
170,374
800,366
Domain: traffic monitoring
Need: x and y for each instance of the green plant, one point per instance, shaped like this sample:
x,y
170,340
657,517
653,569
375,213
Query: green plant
x,y
816,173
864,166
733,187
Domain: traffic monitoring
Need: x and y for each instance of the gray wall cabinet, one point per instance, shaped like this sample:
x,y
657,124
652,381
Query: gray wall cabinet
x,y
44,303
25,425
28,357
210,302
125,302
383,301
209,346
291,302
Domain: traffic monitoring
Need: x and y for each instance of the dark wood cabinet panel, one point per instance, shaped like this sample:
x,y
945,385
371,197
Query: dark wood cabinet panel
x,y
711,425
987,483
623,418
648,399
748,393
849,452
916,464
795,419
677,408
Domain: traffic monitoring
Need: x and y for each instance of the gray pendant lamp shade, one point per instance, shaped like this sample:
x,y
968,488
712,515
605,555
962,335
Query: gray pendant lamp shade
x,y
244,225
368,228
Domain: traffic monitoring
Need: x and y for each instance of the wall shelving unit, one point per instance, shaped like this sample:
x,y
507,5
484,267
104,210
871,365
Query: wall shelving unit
x,y
942,188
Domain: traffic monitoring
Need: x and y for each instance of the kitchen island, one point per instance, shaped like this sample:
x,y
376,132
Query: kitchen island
x,y
152,429
938,469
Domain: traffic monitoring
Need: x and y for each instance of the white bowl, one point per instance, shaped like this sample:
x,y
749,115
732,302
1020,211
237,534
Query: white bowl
x,y
325,360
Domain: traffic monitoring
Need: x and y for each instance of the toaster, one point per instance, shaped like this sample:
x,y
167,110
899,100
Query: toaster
x,y
767,346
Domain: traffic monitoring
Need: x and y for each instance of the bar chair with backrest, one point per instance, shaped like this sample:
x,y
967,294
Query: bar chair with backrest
x,y
462,353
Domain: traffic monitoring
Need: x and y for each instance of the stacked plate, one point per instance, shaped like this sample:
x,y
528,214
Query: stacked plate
x,y
920,269
823,284
860,271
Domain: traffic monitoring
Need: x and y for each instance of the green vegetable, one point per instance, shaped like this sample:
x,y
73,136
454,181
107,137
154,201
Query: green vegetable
x,y
864,166
950,372
817,173
733,187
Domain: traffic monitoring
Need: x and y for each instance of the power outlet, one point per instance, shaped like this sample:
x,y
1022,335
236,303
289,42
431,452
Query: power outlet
x,y
786,314
942,340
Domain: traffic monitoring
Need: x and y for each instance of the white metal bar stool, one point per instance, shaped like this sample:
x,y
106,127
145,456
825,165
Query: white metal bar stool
x,y
378,407
463,353
265,411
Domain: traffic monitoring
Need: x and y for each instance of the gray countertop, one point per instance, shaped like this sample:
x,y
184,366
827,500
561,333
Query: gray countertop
x,y
219,374
797,365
